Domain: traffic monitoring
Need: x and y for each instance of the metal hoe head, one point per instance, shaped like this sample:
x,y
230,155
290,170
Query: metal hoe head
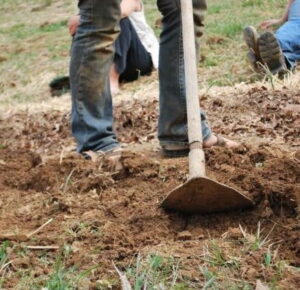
x,y
202,195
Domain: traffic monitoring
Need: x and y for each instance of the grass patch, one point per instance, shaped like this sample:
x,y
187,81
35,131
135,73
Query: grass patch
x,y
3,260
37,42
155,272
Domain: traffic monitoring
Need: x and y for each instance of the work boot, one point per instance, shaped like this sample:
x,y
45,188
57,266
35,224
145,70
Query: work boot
x,y
254,62
251,36
271,54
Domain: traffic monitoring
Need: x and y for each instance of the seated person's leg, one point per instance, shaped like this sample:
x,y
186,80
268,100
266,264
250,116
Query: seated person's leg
x,y
122,46
288,36
131,58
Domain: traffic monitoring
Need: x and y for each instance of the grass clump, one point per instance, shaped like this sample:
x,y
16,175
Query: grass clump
x,y
155,272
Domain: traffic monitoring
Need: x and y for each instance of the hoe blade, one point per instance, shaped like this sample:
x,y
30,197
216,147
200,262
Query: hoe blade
x,y
203,195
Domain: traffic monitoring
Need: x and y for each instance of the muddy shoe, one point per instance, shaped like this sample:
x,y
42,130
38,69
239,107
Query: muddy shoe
x,y
271,53
175,150
251,37
254,62
59,86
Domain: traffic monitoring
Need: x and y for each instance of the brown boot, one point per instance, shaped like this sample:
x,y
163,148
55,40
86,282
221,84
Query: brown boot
x,y
251,38
271,53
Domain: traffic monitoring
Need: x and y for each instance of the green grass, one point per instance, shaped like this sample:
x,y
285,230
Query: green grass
x,y
150,272
3,259
35,43
60,277
155,272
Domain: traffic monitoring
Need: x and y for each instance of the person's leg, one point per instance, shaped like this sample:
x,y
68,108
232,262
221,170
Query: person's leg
x,y
288,36
172,131
131,58
91,59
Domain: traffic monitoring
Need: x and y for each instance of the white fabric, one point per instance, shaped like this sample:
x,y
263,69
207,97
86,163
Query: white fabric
x,y
146,35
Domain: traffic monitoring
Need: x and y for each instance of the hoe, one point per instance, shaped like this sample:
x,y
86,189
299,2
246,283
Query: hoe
x,y
199,194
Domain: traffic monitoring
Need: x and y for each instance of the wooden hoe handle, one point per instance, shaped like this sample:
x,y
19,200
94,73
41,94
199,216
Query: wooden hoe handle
x,y
196,156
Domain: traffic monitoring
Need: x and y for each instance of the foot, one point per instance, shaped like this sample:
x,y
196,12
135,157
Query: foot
x,y
183,150
113,157
218,140
271,53
114,81
114,88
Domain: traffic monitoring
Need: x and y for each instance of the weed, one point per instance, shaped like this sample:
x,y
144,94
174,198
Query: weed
x,y
64,278
215,256
58,280
68,181
3,253
154,272
268,258
3,260
210,278
257,241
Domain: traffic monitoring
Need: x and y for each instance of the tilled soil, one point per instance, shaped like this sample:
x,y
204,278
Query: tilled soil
x,y
110,216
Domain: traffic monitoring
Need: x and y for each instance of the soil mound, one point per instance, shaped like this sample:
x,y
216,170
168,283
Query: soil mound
x,y
113,216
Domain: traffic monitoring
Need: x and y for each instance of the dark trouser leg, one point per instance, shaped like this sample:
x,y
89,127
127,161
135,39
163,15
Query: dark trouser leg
x,y
131,58
173,120
91,59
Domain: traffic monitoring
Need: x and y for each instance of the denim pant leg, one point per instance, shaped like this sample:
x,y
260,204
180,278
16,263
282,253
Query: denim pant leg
x,y
91,59
131,57
172,127
288,36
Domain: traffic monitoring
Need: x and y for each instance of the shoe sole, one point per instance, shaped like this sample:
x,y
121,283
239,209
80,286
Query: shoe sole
x,y
175,153
270,52
253,61
251,37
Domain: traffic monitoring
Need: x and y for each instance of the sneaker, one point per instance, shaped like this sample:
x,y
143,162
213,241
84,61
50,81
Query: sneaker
x,y
271,53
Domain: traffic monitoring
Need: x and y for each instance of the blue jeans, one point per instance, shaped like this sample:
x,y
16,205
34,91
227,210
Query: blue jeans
x,y
91,58
288,36
172,126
